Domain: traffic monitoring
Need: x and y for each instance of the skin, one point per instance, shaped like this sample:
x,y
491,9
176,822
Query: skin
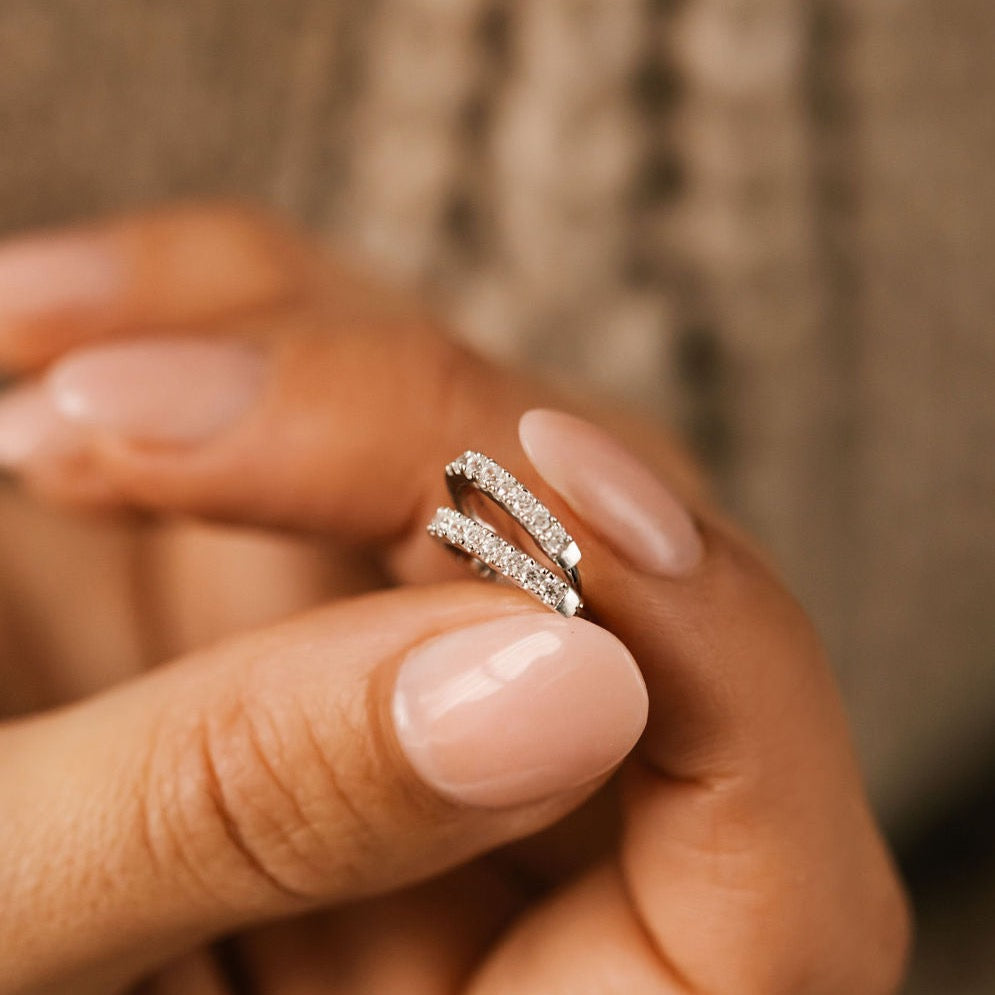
x,y
734,851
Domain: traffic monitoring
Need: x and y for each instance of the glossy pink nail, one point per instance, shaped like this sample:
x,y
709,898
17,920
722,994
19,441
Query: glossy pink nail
x,y
618,497
518,709
167,392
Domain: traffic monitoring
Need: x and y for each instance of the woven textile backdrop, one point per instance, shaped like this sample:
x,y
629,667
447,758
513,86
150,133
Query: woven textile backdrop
x,y
770,221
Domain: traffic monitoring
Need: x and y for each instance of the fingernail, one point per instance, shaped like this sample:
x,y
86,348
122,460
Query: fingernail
x,y
613,492
30,426
167,392
53,273
519,709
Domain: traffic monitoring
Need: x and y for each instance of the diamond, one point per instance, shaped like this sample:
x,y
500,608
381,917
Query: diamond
x,y
516,499
477,540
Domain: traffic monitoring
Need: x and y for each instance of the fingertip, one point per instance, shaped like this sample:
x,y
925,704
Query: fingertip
x,y
30,426
615,493
519,709
49,454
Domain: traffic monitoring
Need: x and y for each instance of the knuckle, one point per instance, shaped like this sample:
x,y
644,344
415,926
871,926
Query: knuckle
x,y
224,213
256,258
254,810
245,803
244,223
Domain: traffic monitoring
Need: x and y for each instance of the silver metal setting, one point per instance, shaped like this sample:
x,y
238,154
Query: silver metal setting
x,y
468,534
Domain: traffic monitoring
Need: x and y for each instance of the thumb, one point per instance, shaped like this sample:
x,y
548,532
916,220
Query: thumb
x,y
344,753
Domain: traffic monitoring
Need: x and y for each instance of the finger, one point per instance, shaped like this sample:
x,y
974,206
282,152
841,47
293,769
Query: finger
x,y
748,813
34,436
257,578
92,572
583,939
193,974
226,270
334,757
423,940
343,434
170,267
189,268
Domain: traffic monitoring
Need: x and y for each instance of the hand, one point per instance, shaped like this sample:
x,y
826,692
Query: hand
x,y
317,789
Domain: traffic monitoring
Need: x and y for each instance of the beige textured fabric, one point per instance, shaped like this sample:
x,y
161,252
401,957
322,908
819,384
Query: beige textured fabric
x,y
770,221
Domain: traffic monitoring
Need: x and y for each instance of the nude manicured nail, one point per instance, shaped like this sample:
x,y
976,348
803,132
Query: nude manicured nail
x,y
518,709
167,392
618,497
59,272
30,426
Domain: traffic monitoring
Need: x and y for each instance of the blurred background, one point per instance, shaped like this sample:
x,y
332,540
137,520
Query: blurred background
x,y
770,222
